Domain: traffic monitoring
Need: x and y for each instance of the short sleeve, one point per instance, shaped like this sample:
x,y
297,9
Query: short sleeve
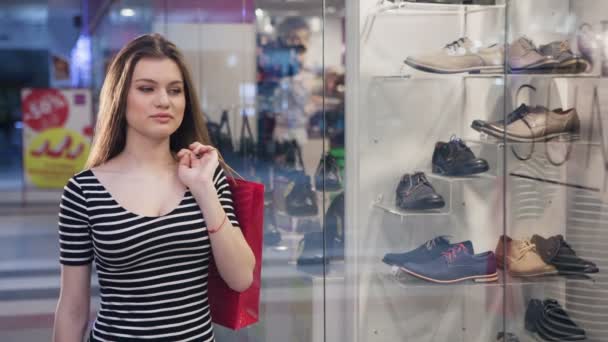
x,y
225,195
75,245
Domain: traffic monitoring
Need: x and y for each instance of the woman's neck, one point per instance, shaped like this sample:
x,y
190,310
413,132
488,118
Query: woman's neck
x,y
143,152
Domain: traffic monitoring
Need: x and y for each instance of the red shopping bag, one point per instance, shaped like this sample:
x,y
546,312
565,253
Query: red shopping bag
x,y
229,308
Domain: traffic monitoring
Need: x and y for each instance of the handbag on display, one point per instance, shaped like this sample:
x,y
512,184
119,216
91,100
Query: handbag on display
x,y
231,309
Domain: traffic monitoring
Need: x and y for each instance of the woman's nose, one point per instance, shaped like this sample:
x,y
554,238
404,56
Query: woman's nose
x,y
162,100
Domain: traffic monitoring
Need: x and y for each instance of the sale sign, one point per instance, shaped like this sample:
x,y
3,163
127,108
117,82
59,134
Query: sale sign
x,y
56,134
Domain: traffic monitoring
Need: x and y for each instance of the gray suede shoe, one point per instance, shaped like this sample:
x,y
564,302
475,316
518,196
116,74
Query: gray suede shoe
x,y
458,57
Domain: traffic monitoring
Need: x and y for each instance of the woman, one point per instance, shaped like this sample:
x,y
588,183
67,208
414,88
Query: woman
x,y
150,208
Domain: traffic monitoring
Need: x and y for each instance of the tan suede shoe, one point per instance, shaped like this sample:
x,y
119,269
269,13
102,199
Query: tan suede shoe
x,y
522,258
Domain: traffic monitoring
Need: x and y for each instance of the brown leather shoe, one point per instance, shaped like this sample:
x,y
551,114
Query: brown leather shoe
x,y
522,259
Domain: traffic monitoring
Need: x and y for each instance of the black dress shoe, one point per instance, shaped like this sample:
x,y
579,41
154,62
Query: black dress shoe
x,y
534,312
415,192
454,158
557,252
550,322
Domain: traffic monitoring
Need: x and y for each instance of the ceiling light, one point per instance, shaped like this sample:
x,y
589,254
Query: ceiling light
x,y
127,12
259,12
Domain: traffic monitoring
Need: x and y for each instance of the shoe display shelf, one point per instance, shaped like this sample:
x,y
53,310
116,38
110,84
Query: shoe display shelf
x,y
400,112
444,185
408,77
558,157
400,278
405,8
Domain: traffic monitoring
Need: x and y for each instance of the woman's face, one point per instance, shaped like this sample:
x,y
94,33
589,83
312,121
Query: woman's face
x,y
156,100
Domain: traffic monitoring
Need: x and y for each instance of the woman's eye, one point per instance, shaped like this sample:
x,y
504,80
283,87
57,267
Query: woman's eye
x,y
146,89
175,91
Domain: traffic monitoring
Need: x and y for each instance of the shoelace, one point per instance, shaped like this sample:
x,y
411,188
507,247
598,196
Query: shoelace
x,y
519,113
459,146
455,45
525,248
421,177
433,242
452,253
529,47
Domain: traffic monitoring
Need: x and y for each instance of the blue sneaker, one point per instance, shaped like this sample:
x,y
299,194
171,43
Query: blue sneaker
x,y
428,251
454,265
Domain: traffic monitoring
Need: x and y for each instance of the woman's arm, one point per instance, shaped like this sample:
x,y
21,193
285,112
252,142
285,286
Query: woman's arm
x,y
233,256
73,307
75,256
199,170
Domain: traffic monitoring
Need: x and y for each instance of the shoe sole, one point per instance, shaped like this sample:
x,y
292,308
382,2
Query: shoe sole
x,y
538,338
471,70
538,274
575,66
462,172
496,134
500,265
487,278
425,206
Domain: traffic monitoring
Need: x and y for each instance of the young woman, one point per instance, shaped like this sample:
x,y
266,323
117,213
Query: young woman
x,y
151,208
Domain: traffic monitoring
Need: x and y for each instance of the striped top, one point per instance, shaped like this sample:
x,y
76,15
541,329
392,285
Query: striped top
x,y
152,271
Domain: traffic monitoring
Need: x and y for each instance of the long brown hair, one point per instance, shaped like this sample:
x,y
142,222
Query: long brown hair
x,y
111,128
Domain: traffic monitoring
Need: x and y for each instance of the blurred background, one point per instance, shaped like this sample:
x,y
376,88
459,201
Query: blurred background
x,y
270,79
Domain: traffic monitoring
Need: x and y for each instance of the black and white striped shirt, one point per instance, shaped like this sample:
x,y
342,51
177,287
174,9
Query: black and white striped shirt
x,y
152,271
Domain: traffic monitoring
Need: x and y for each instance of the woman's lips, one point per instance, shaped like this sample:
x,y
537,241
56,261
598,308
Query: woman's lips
x,y
162,118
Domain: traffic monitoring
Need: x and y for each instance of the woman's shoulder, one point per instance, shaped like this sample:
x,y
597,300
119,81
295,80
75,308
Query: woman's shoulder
x,y
81,177
89,174
110,168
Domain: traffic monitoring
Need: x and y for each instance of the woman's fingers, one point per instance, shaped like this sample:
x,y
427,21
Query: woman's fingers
x,y
199,149
184,159
183,151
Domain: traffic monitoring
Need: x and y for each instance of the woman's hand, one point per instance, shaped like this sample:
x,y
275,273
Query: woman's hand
x,y
197,164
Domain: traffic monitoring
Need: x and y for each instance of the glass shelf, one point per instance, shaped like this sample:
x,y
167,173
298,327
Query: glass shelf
x,y
450,179
554,182
555,75
391,208
424,76
391,78
387,203
402,279
406,7
566,139
442,184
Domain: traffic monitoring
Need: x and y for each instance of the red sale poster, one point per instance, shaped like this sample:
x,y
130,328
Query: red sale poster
x,y
56,134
